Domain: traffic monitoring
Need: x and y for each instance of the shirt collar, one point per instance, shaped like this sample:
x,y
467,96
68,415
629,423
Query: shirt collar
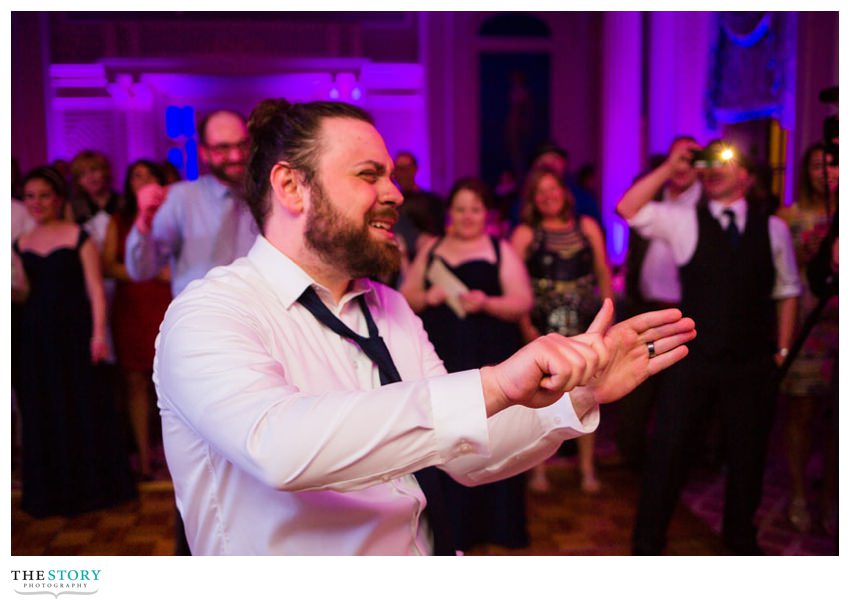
x,y
739,207
288,280
218,189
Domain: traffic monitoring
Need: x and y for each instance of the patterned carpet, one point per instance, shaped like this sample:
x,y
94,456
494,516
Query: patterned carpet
x,y
564,521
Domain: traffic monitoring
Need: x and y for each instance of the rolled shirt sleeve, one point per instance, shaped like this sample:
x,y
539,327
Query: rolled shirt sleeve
x,y
787,282
146,254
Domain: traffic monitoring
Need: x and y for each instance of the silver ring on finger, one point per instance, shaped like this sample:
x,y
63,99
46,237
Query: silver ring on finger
x,y
650,347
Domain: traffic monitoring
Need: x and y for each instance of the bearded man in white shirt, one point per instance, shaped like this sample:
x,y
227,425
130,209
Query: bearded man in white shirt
x,y
279,435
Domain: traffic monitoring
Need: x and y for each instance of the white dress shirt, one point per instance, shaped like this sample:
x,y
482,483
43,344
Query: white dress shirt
x,y
659,274
281,440
679,227
200,225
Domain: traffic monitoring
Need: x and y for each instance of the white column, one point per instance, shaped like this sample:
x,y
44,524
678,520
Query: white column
x,y
621,118
662,124
679,54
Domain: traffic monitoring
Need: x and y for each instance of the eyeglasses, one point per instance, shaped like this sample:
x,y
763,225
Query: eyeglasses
x,y
225,148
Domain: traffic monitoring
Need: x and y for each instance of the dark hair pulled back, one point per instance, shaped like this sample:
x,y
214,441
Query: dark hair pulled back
x,y
287,132
51,177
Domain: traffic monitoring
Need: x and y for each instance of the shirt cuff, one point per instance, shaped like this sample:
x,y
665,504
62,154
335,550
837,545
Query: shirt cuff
x,y
561,415
786,292
460,418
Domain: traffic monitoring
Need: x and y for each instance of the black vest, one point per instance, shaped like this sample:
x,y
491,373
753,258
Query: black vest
x,y
727,291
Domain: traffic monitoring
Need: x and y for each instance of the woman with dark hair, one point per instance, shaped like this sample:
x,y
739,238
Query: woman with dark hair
x,y
137,310
73,456
808,384
565,257
469,330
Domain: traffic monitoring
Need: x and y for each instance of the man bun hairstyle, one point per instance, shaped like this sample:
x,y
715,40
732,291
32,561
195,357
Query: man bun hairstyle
x,y
281,131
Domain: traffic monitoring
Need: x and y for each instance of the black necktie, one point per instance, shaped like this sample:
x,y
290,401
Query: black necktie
x,y
375,348
732,232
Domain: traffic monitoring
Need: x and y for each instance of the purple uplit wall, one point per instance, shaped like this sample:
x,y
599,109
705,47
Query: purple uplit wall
x,y
105,80
679,46
621,120
141,114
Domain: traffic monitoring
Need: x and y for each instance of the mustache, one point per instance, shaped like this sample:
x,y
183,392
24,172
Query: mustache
x,y
388,213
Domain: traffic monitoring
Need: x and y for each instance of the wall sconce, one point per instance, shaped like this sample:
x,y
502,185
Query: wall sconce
x,y
128,94
345,87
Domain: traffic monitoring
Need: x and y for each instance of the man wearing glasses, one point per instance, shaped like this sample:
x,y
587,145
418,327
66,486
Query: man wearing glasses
x,y
196,225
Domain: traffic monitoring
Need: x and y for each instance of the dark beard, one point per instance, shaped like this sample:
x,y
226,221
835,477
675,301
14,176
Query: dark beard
x,y
219,172
341,244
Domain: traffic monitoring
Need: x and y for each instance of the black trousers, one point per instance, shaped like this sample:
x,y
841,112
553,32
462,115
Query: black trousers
x,y
740,393
181,544
635,410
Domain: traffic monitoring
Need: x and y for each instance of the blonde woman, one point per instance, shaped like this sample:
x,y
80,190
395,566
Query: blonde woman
x,y
565,257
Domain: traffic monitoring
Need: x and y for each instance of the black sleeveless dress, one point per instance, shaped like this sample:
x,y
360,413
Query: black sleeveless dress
x,y
492,513
74,457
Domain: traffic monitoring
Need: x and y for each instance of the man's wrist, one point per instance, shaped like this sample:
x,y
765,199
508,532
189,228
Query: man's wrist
x,y
494,397
583,400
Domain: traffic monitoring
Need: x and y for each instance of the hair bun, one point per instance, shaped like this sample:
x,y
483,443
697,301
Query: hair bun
x,y
265,113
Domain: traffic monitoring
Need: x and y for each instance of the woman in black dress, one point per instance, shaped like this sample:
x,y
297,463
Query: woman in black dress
x,y
471,330
73,448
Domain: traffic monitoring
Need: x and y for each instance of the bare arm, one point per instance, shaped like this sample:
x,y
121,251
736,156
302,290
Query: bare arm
x,y
516,299
527,329
20,283
111,266
600,258
643,190
413,287
521,240
94,288
786,316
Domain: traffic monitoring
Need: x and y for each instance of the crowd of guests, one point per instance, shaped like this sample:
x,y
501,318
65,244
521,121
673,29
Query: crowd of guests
x,y
487,270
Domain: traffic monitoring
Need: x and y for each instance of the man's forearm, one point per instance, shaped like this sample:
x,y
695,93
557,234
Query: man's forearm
x,y
786,315
643,191
141,256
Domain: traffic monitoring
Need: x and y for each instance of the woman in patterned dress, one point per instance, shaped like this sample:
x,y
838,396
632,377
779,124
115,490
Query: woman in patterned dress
x,y
565,257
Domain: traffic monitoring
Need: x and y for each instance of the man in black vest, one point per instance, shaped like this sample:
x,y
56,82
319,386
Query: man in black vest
x,y
740,284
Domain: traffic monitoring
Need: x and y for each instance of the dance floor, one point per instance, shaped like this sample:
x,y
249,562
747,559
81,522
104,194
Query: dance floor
x,y
564,521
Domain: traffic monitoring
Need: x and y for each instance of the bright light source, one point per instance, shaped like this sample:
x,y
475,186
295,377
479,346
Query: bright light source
x,y
727,154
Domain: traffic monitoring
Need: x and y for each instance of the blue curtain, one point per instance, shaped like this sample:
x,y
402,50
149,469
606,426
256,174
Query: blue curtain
x,y
752,68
